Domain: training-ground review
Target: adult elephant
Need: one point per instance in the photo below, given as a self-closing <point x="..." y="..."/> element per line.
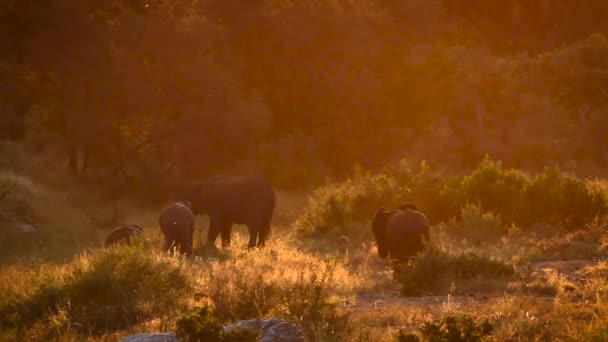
<point x="400" y="233"/>
<point x="248" y="200"/>
<point x="177" y="224"/>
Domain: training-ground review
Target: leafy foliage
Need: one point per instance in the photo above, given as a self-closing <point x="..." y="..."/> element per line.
<point x="351" y="84"/>
<point x="506" y="196"/>
<point x="460" y="328"/>
<point x="437" y="271"/>
<point x="204" y="326"/>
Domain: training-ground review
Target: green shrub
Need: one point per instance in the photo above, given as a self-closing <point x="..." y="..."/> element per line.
<point x="436" y="271"/>
<point x="495" y="189"/>
<point x="551" y="197"/>
<point x="205" y="326"/>
<point x="476" y="226"/>
<point x="109" y="290"/>
<point x="459" y="328"/>
<point x="336" y="207"/>
<point x="333" y="207"/>
<point x="439" y="197"/>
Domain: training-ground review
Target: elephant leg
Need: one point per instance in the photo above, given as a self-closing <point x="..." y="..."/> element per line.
<point x="189" y="242"/>
<point x="215" y="227"/>
<point x="169" y="240"/>
<point x="253" y="235"/>
<point x="264" y="231"/>
<point x="225" y="233"/>
<point x="185" y="241"/>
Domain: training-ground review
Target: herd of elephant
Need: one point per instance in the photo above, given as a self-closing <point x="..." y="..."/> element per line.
<point x="400" y="233"/>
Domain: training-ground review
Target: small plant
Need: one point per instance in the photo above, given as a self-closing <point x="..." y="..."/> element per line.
<point x="313" y="307"/>
<point x="205" y="326"/>
<point x="436" y="270"/>
<point x="459" y="328"/>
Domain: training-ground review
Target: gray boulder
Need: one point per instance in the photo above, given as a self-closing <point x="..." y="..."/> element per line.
<point x="156" y="337"/>
<point x="271" y="329"/>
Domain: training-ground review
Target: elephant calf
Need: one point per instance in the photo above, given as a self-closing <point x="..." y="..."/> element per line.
<point x="122" y="234"/>
<point x="177" y="224"/>
<point x="400" y="233"/>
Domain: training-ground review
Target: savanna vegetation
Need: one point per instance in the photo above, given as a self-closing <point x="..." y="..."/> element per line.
<point x="489" y="115"/>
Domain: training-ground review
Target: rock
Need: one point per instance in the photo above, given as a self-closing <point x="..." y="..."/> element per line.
<point x="156" y="337"/>
<point x="271" y="329"/>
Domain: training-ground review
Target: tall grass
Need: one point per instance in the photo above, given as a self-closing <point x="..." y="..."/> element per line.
<point x="280" y="282"/>
<point x="104" y="291"/>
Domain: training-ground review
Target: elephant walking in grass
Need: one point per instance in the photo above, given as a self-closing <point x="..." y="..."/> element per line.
<point x="400" y="233"/>
<point x="248" y="200"/>
<point x="177" y="224"/>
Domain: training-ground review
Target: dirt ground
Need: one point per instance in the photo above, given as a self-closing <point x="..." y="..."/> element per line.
<point x="572" y="270"/>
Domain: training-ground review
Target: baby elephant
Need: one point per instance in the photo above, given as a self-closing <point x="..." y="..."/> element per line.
<point x="400" y="233"/>
<point x="122" y="234"/>
<point x="177" y="224"/>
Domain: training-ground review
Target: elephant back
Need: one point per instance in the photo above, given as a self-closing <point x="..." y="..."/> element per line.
<point x="406" y="232"/>
<point x="408" y="217"/>
<point x="238" y="197"/>
<point x="176" y="214"/>
<point x="247" y="188"/>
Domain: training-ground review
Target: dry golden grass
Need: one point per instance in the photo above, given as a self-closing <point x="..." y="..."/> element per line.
<point x="332" y="291"/>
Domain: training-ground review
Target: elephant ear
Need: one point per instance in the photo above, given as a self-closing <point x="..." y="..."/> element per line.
<point x="379" y="230"/>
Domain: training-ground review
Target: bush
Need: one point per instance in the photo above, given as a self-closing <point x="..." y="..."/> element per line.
<point x="205" y="326"/>
<point x="337" y="207"/>
<point x="109" y="290"/>
<point x="334" y="206"/>
<point x="476" y="226"/>
<point x="436" y="271"/>
<point x="495" y="189"/>
<point x="460" y="328"/>
<point x="551" y="198"/>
